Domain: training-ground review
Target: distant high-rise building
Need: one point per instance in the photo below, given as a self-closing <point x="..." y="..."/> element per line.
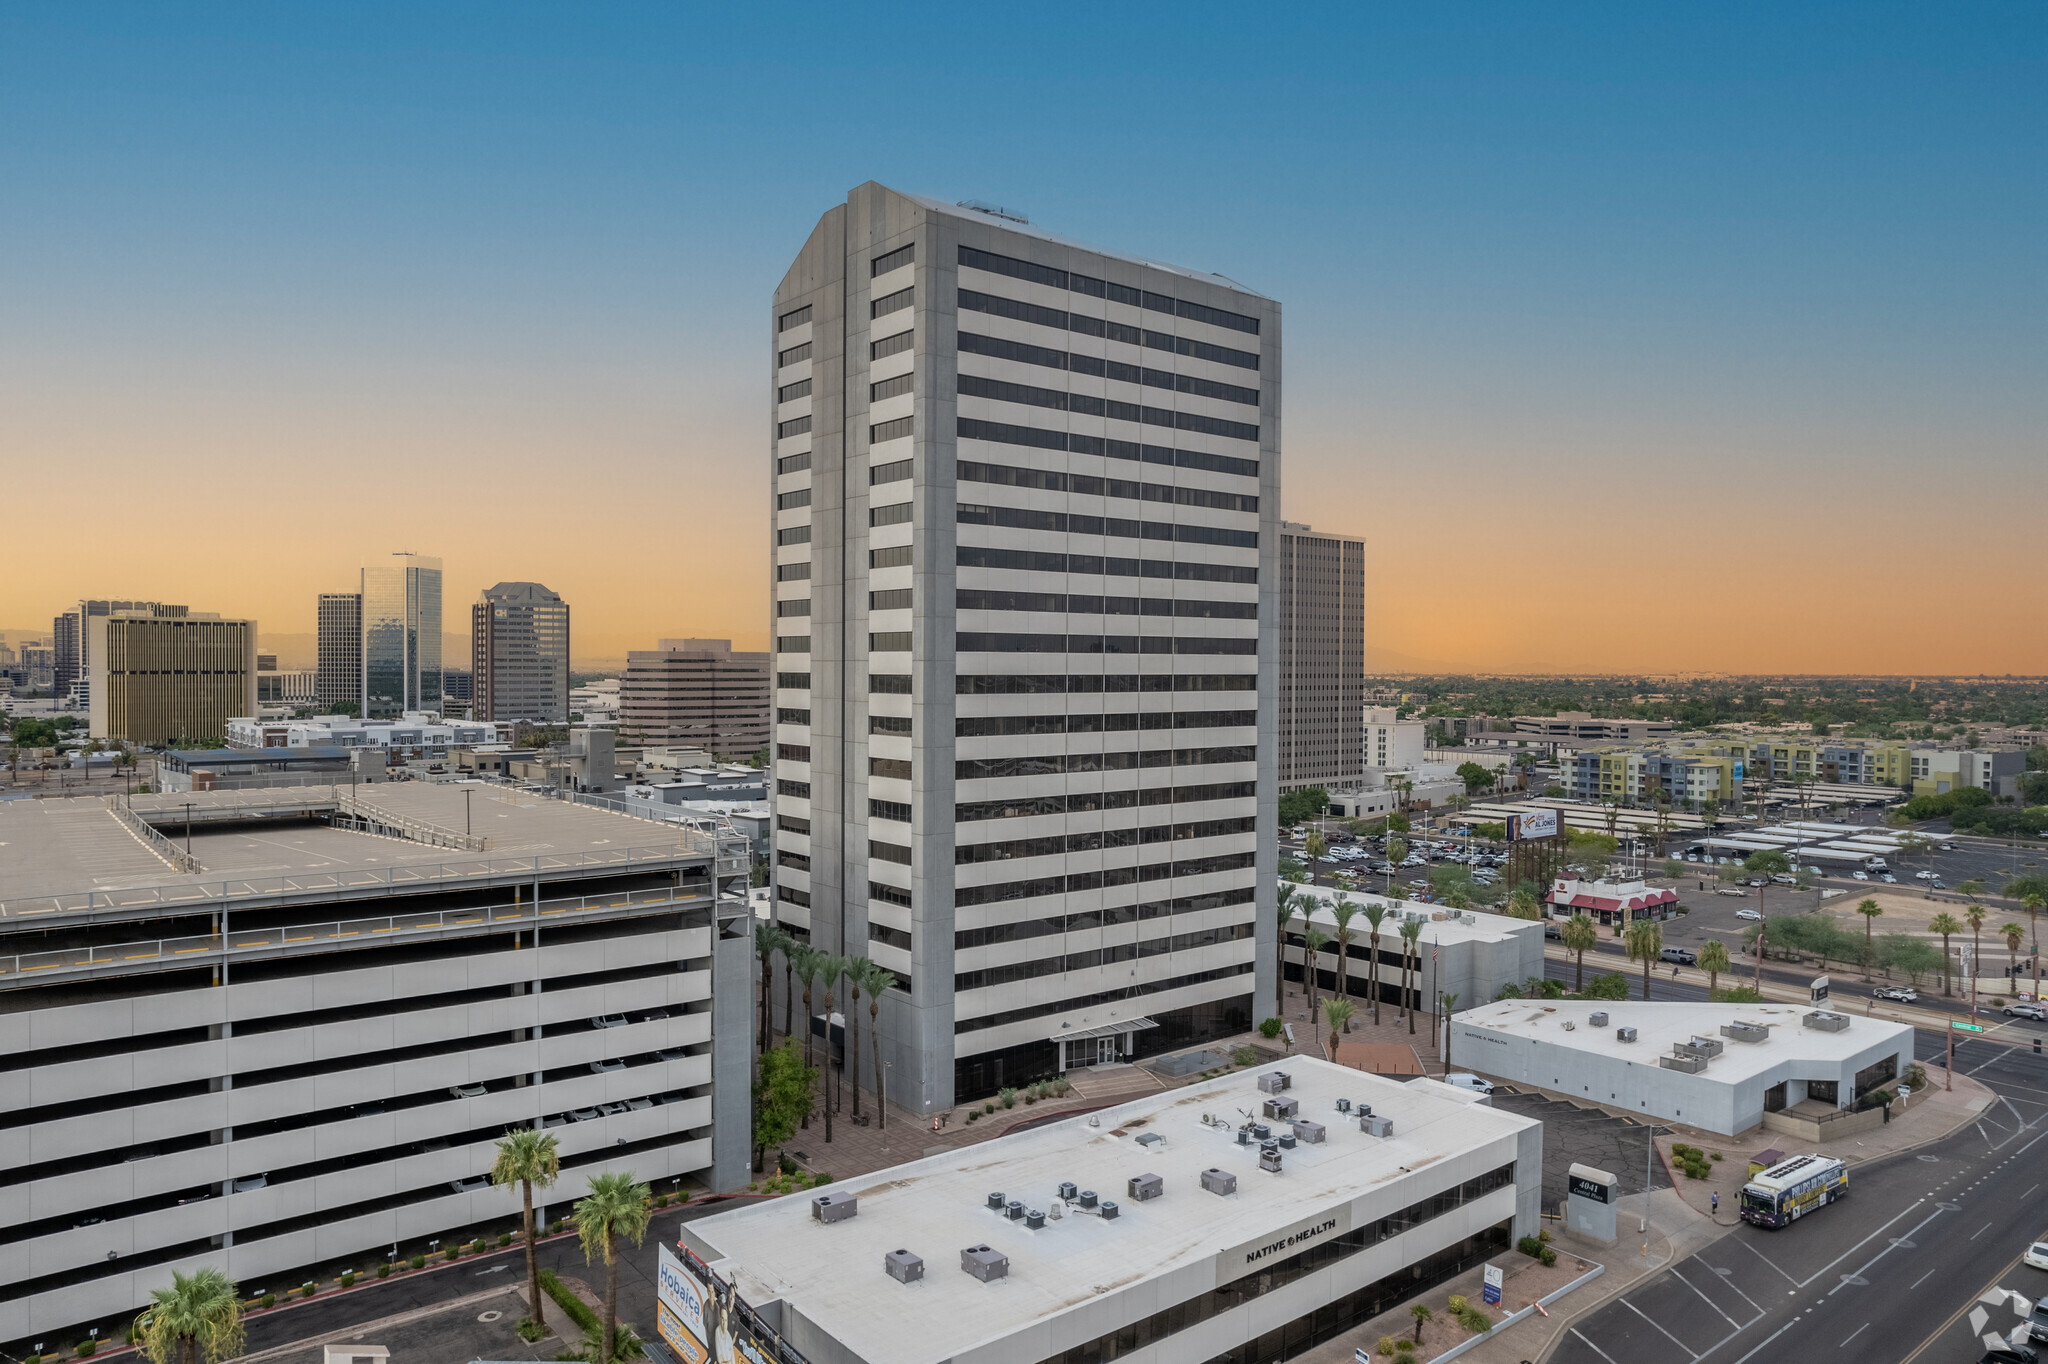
<point x="519" y="654"/>
<point x="1025" y="526"/>
<point x="39" y="664"/>
<point x="401" y="637"/>
<point x="458" y="684"/>
<point x="1322" y="657"/>
<point x="71" y="637"/>
<point x="170" y="680"/>
<point x="696" y="693"/>
<point x="341" y="648"/>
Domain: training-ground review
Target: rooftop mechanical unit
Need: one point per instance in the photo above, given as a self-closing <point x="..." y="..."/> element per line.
<point x="1706" y="1048"/>
<point x="1107" y="1211"/>
<point x="996" y="1202"/>
<point x="1285" y="1141"/>
<point x="1151" y="1139"/>
<point x="1014" y="1210"/>
<point x="985" y="1264"/>
<point x="1274" y="1081"/>
<point x="1283" y="1109"/>
<point x="1343" y="1105"/>
<point x="1308" y="1133"/>
<point x="1597" y="1019"/>
<point x="1746" y="1032"/>
<point x="1376" y="1127"/>
<point x="903" y="1266"/>
<point x="1086" y="1198"/>
<point x="1269" y="1157"/>
<point x="1219" y="1181"/>
<point x="1034" y="1218"/>
<point x="1820" y="1020"/>
<point x="1624" y="1034"/>
<point x="1691" y="1065"/>
<point x="1145" y="1187"/>
<point x="834" y="1207"/>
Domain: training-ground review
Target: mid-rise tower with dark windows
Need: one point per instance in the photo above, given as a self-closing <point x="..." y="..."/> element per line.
<point x="1025" y="514"/>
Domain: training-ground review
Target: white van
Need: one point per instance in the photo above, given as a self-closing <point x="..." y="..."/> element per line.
<point x="1466" y="1080"/>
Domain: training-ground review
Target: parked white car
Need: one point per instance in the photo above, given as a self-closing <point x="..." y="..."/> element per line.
<point x="1749" y="914"/>
<point x="1466" y="1080"/>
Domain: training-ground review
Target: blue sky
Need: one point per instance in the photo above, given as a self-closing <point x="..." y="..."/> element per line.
<point x="1769" y="273"/>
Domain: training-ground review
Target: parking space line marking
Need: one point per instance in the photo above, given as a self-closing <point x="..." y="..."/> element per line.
<point x="1660" y="1330"/>
<point x="1773" y="1336"/>
<point x="1591" y="1346"/>
<point x="1707" y="1300"/>
<point x="1853" y="1334"/>
<point x="1729" y="1279"/>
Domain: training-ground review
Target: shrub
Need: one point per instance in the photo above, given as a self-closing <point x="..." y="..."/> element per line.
<point x="384" y="1271"/>
<point x="1549" y="1257"/>
<point x="573" y="1306"/>
<point x="1270" y="1029"/>
<point x="1530" y="1247"/>
<point x="453" y="1253"/>
<point x="1245" y="1056"/>
<point x="86" y="1348"/>
<point x="1062" y="1085"/>
<point x="504" y="1238"/>
<point x="1474" y="1320"/>
<point x="270" y="1299"/>
<point x="348" y="1278"/>
<point x="989" y="1107"/>
<point x="1030" y="1098"/>
<point x="1459" y="1305"/>
<point x="1543" y="1235"/>
<point x="822" y="1178"/>
<point x="1404" y="1348"/>
<point x="1007" y="1097"/>
<point x="306" y="1290"/>
<point x="682" y="1196"/>
<point x="530" y="1331"/>
<point x="418" y="1262"/>
<point x="973" y="1115"/>
<point x="1385" y="1346"/>
<point x="1717" y="1155"/>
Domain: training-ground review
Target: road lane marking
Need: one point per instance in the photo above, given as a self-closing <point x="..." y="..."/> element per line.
<point x="1968" y="1303"/>
<point x="1908" y="1237"/>
<point x="1591" y="1346"/>
<point x="1922" y="1279"/>
<point x="1980" y="1231"/>
<point x="1744" y="1243"/>
<point x="1860" y="1244"/>
<point x="1707" y="1300"/>
<point x="1660" y="1330"/>
<point x="1853" y="1334"/>
<point x="1773" y="1336"/>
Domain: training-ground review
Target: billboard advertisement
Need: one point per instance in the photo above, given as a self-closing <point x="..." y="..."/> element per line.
<point x="1532" y="824"/>
<point x="681" y="1302"/>
<point x="1738" y="770"/>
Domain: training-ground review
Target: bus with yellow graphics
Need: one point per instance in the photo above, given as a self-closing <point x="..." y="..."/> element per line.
<point x="1792" y="1188"/>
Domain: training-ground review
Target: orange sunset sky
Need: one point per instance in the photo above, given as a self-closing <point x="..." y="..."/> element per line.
<point x="1627" y="347"/>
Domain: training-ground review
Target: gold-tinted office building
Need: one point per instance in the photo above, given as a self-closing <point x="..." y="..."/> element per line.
<point x="170" y="681"/>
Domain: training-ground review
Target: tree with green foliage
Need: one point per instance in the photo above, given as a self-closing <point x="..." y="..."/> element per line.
<point x="768" y="940"/>
<point x="1475" y="777"/>
<point x="199" y="1314"/>
<point x="616" y="1206"/>
<point x="1613" y="986"/>
<point x="28" y="732"/>
<point x="1769" y="862"/>
<point x="1579" y="936"/>
<point x="1315" y="845"/>
<point x="855" y="970"/>
<point x="1713" y="960"/>
<point x="1339" y="1013"/>
<point x="1285" y="905"/>
<point x="1871" y="911"/>
<point x="1410" y="933"/>
<point x="1974" y="915"/>
<point x="831" y="967"/>
<point x="1343" y="912"/>
<point x="1947" y="925"/>
<point x="2014" y="935"/>
<point x="1313" y="941"/>
<point x="1644" y="942"/>
<point x="785" y="1092"/>
<point x="532" y="1159"/>
<point x="1523" y="904"/>
<point x="1447" y="1004"/>
<point x="875" y="978"/>
<point x="1305" y="804"/>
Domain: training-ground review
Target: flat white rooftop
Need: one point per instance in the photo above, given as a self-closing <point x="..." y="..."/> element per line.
<point x="833" y="1273"/>
<point x="1451" y="928"/>
<point x="1658" y="1026"/>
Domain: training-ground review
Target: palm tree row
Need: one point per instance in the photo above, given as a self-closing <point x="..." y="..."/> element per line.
<point x="820" y="974"/>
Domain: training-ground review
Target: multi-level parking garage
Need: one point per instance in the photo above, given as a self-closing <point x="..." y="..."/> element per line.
<point x="264" y="1030"/>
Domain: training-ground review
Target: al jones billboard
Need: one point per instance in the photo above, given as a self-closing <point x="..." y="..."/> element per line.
<point x="1532" y="824"/>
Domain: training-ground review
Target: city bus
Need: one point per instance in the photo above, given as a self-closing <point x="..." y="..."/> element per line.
<point x="1792" y="1188"/>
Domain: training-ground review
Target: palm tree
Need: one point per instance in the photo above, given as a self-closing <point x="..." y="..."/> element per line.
<point x="830" y="967"/>
<point x="1343" y="911"/>
<point x="807" y="962"/>
<point x="1411" y="935"/>
<point x="1644" y="941"/>
<point x="1448" y="1005"/>
<point x="1974" y="915"/>
<point x="1713" y="960"/>
<point x="1579" y="936"/>
<point x="2014" y="935"/>
<point x="615" y="1206"/>
<point x="199" y="1311"/>
<point x="856" y="977"/>
<point x="529" y="1157"/>
<point x="876" y="978"/>
<point x="1375" y="916"/>
<point x="1522" y="904"/>
<point x="790" y="947"/>
<point x="1871" y="910"/>
<point x="1313" y="941"/>
<point x="1946" y="924"/>
<point x="1283" y="913"/>
<point x="767" y="938"/>
<point x="1315" y="845"/>
<point x="1340" y="1013"/>
<point x="2033" y="902"/>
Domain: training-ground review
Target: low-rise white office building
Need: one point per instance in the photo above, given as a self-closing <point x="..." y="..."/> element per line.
<point x="266" y="1030"/>
<point x="416" y="734"/>
<point x="1146" y="1232"/>
<point x="1470" y="954"/>
<point x="1719" y="1067"/>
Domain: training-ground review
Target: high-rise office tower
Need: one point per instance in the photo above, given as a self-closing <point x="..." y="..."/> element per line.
<point x="401" y="637"/>
<point x="170" y="680"/>
<point x="1024" y="536"/>
<point x="71" y="635"/>
<point x="696" y="693"/>
<point x="341" y="648"/>
<point x="519" y="652"/>
<point x="1322" y="657"/>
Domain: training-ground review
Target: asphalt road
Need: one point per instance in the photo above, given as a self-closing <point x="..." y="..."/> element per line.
<point x="1886" y="1276"/>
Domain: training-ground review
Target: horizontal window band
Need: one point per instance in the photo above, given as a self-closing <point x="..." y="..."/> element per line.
<point x="1002" y="433"/>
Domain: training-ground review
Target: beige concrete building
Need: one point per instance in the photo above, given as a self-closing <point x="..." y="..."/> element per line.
<point x="169" y="681"/>
<point x="1321" y="593"/>
<point x="696" y="692"/>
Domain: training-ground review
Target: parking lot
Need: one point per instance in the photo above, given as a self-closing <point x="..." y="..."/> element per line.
<point x="1621" y="1146"/>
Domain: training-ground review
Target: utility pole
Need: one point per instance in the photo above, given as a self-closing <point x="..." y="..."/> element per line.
<point x="1760" y="957"/>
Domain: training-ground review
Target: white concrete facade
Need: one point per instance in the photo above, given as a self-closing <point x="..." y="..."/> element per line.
<point x="1470" y="954"/>
<point x="1554" y="1045"/>
<point x="1025" y="517"/>
<point x="283" y="1091"/>
<point x="1209" y="1275"/>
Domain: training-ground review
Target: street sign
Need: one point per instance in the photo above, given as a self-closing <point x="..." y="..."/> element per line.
<point x="1820" y="989"/>
<point x="1491" y="1293"/>
<point x="1966" y="1027"/>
